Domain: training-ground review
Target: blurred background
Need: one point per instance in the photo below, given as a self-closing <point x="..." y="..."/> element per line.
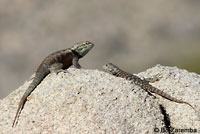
<point x="135" y="35"/>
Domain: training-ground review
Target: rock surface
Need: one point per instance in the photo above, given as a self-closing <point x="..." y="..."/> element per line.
<point x="92" y="101"/>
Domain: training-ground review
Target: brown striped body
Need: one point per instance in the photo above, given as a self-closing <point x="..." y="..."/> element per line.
<point x="144" y="84"/>
<point x="64" y="57"/>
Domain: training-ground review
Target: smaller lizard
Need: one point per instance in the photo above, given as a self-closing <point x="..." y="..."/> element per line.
<point x="62" y="59"/>
<point x="144" y="84"/>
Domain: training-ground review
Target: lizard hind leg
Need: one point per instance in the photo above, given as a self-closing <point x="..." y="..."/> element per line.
<point x="56" y="68"/>
<point x="153" y="79"/>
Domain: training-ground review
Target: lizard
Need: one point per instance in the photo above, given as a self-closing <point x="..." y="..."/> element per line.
<point x="54" y="62"/>
<point x="143" y="83"/>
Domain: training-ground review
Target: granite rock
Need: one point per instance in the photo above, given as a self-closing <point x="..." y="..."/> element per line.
<point x="91" y="101"/>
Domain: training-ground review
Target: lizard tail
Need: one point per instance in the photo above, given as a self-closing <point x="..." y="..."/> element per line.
<point x="36" y="81"/>
<point x="166" y="96"/>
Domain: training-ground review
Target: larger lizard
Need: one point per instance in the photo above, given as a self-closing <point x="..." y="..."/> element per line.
<point x="144" y="84"/>
<point x="62" y="59"/>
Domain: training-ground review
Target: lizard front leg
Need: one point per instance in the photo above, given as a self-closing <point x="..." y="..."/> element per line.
<point x="75" y="62"/>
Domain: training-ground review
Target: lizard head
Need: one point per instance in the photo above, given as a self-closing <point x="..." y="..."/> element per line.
<point x="82" y="48"/>
<point x="110" y="68"/>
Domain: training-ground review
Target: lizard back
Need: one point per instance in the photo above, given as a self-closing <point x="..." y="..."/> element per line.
<point x="63" y="56"/>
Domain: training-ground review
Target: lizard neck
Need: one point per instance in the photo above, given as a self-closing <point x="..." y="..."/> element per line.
<point x="76" y="54"/>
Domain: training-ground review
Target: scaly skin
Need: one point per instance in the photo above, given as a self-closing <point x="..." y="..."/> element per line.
<point x="144" y="84"/>
<point x="59" y="60"/>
